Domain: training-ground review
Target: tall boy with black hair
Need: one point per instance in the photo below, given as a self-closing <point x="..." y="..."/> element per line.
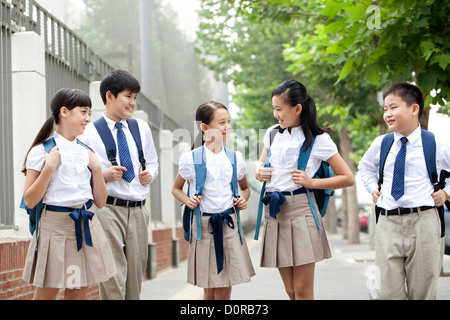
<point x="408" y="242"/>
<point x="124" y="218"/>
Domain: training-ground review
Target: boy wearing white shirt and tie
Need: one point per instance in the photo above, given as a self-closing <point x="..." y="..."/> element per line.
<point x="408" y="242"/>
<point x="124" y="218"/>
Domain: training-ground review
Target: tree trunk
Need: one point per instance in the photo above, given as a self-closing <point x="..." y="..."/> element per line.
<point x="352" y="201"/>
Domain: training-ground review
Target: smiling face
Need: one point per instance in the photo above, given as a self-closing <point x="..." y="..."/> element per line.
<point x="120" y="107"/>
<point x="400" y="117"/>
<point x="219" y="128"/>
<point x="76" y="119"/>
<point x="287" y="116"/>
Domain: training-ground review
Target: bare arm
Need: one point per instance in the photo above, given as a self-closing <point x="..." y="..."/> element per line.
<point x="343" y="178"/>
<point x="99" y="190"/>
<point x="241" y="203"/>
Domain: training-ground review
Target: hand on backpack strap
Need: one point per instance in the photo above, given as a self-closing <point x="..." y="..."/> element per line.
<point x="302" y="178"/>
<point x="193" y="201"/>
<point x="439" y="197"/>
<point x="241" y="203"/>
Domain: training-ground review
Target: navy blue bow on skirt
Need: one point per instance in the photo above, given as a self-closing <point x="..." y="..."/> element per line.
<point x="78" y="215"/>
<point x="215" y="221"/>
<point x="276" y="199"/>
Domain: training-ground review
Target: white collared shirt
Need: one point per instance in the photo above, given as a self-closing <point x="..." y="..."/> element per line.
<point x="217" y="195"/>
<point x="285" y="150"/>
<point x="121" y="189"/>
<point x="70" y="184"/>
<point x="418" y="188"/>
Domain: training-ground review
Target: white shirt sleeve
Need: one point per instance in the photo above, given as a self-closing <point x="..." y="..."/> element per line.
<point x="186" y="166"/>
<point x="368" y="166"/>
<point x="36" y="158"/>
<point x="240" y="166"/>
<point x="151" y="157"/>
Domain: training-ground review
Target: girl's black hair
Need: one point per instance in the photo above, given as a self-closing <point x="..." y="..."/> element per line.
<point x="205" y="114"/>
<point x="69" y="98"/>
<point x="118" y="81"/>
<point x="293" y="93"/>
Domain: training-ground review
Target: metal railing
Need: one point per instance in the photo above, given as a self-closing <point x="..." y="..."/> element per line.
<point x="6" y="139"/>
<point x="70" y="62"/>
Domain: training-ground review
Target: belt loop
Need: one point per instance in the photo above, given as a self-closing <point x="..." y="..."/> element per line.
<point x="419" y="212"/>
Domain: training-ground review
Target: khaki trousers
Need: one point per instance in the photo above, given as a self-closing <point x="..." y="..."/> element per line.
<point x="409" y="254"/>
<point x="126" y="231"/>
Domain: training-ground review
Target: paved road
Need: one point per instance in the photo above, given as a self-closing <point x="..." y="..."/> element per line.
<point x="343" y="277"/>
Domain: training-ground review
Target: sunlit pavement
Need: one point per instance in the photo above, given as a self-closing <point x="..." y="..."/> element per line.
<point x="346" y="276"/>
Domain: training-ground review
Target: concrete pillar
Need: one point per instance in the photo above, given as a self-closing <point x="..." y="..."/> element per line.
<point x="29" y="108"/>
<point x="98" y="107"/>
<point x="167" y="178"/>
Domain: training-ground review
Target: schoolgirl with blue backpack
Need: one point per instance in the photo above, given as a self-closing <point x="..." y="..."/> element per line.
<point x="295" y="152"/>
<point x="63" y="188"/>
<point x="218" y="255"/>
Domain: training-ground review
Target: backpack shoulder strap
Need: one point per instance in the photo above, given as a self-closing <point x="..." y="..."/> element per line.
<point x="134" y="129"/>
<point x="198" y="155"/>
<point x="386" y="145"/>
<point x="234" y="186"/>
<point x="108" y="139"/>
<point x="303" y="157"/>
<point x="429" y="150"/>
<point x="49" y="144"/>
<point x="234" y="181"/>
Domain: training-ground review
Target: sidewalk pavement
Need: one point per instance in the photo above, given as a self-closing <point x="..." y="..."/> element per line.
<point x="343" y="277"/>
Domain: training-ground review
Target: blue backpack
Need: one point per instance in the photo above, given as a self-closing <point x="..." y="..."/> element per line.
<point x="429" y="150"/>
<point x="35" y="213"/>
<point x="322" y="195"/>
<point x="198" y="155"/>
<point x="110" y="145"/>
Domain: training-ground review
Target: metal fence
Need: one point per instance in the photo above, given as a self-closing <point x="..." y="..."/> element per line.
<point x="6" y="140"/>
<point x="69" y="63"/>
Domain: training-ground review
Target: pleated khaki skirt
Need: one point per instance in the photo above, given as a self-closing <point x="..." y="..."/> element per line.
<point x="202" y="266"/>
<point x="57" y="263"/>
<point x="293" y="238"/>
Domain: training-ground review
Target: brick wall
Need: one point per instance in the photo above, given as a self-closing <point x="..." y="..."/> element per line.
<point x="12" y="259"/>
<point x="13" y="254"/>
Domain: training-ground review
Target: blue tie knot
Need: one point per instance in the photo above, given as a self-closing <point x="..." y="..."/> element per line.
<point x="119" y="125"/>
<point x="404" y="140"/>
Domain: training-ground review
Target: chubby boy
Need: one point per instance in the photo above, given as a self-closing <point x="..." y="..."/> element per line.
<point x="408" y="242"/>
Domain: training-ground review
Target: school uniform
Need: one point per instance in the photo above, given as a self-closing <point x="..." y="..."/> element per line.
<point x="61" y="259"/>
<point x="125" y="217"/>
<point x="409" y="247"/>
<point x="217" y="197"/>
<point x="292" y="238"/>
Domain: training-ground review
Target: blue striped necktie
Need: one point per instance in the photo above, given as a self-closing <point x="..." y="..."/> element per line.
<point x="398" y="179"/>
<point x="124" y="154"/>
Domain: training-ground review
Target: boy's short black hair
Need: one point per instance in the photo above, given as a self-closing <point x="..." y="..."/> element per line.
<point x="409" y="93"/>
<point x="118" y="81"/>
